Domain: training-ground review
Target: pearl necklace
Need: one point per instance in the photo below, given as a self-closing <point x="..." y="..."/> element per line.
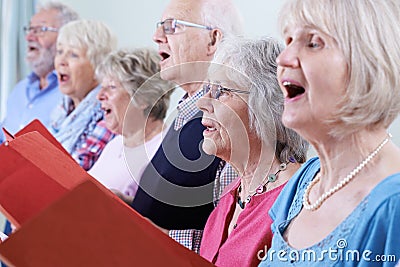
<point x="306" y="197"/>
<point x="261" y="188"/>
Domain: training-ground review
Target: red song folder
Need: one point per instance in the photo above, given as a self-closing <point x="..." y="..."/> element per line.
<point x="89" y="227"/>
<point x="35" y="170"/>
<point x="66" y="218"/>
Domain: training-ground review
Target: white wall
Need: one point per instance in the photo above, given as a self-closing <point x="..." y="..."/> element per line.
<point x="134" y="22"/>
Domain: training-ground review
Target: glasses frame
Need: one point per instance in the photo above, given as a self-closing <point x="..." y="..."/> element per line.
<point x="38" y="30"/>
<point x="217" y="93"/>
<point x="175" y="22"/>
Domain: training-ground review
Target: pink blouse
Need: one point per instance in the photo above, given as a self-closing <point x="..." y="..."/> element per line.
<point x="251" y="237"/>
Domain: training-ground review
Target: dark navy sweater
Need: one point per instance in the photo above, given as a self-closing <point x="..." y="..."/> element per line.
<point x="176" y="188"/>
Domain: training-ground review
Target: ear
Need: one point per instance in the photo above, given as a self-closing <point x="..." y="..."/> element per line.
<point x="215" y="39"/>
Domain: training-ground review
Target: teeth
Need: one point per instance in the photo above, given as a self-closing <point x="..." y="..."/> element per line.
<point x="286" y="83"/>
<point x="211" y="128"/>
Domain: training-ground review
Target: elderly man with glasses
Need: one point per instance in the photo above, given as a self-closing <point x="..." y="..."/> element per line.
<point x="178" y="187"/>
<point x="37" y="95"/>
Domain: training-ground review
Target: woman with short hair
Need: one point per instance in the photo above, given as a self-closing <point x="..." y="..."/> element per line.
<point x="78" y="122"/>
<point x="135" y="101"/>
<point x="242" y="108"/>
<point x="340" y="76"/>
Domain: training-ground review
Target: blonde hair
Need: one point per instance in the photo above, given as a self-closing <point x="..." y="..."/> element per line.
<point x="94" y="36"/>
<point x="366" y="32"/>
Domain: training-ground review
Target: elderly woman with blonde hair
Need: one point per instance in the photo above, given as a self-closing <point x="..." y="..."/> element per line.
<point x="78" y="122"/>
<point x="242" y="108"/>
<point x="135" y="101"/>
<point x="340" y="76"/>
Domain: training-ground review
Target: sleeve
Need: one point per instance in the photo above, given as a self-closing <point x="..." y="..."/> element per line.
<point x="382" y="244"/>
<point x="89" y="151"/>
<point x="189" y="238"/>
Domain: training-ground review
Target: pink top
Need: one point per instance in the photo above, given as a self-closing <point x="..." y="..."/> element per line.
<point x="252" y="233"/>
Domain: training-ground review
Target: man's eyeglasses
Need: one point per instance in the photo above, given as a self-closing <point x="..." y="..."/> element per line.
<point x="170" y="25"/>
<point x="217" y="89"/>
<point x="39" y="30"/>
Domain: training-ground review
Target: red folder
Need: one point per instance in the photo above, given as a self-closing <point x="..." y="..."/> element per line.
<point x="67" y="218"/>
<point x="35" y="126"/>
<point x="89" y="227"/>
<point x="34" y="171"/>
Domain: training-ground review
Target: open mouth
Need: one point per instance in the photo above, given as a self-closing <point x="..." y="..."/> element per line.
<point x="292" y="89"/>
<point x="63" y="77"/>
<point x="209" y="126"/>
<point x="106" y="110"/>
<point x="32" y="47"/>
<point x="164" y="56"/>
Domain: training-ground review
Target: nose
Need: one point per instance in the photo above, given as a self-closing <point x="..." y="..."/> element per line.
<point x="159" y="35"/>
<point x="59" y="60"/>
<point x="289" y="57"/>
<point x="30" y="36"/>
<point x="205" y="103"/>
<point x="101" y="95"/>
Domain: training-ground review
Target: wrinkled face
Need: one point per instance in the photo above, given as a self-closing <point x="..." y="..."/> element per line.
<point x="187" y="44"/>
<point x="114" y="100"/>
<point x="42" y="46"/>
<point x="226" y="120"/>
<point x="312" y="73"/>
<point x="75" y="73"/>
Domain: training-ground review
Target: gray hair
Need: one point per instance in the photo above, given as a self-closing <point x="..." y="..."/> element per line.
<point x="66" y="14"/>
<point x="136" y="69"/>
<point x="94" y="36"/>
<point x="253" y="65"/>
<point x="223" y="15"/>
<point x="367" y="34"/>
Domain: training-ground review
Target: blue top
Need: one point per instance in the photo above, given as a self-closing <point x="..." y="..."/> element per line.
<point x="27" y="102"/>
<point x="370" y="233"/>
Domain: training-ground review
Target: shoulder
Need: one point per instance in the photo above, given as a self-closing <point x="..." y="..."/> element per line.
<point x="293" y="191"/>
<point x="386" y="195"/>
<point x="19" y="88"/>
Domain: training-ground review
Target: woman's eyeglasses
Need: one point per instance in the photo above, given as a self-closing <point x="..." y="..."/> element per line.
<point x="217" y="89"/>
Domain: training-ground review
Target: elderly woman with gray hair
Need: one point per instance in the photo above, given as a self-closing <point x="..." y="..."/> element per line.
<point x="135" y="101"/>
<point x="78" y="122"/>
<point x="242" y="109"/>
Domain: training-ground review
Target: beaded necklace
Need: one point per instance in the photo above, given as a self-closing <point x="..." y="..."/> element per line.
<point x="262" y="187"/>
<point x="306" y="197"/>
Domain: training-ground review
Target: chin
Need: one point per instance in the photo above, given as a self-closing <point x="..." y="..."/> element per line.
<point x="209" y="147"/>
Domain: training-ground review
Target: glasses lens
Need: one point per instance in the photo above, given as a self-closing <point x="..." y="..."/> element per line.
<point x="216" y="91"/>
<point x="169" y="26"/>
<point x="27" y="29"/>
<point x="38" y="30"/>
<point x="206" y="88"/>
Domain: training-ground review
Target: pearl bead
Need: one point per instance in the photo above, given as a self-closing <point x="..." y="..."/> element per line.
<point x="306" y="197"/>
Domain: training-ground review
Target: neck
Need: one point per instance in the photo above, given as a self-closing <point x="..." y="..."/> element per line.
<point x="139" y="137"/>
<point x="339" y="157"/>
<point x="191" y="88"/>
<point x="254" y="164"/>
<point x="43" y="83"/>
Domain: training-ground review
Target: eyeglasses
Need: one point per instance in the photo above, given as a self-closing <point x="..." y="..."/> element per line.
<point x="170" y="25"/>
<point x="39" y="30"/>
<point x="217" y="89"/>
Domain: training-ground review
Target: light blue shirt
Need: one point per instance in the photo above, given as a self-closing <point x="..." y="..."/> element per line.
<point x="27" y="102"/>
<point x="369" y="236"/>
